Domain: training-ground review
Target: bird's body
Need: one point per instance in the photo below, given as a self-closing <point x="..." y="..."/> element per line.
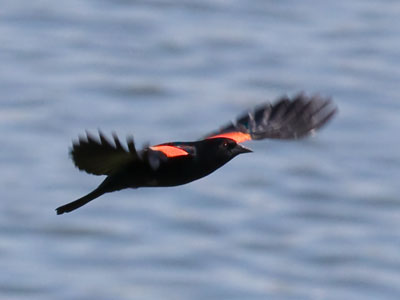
<point x="202" y="159"/>
<point x="178" y="163"/>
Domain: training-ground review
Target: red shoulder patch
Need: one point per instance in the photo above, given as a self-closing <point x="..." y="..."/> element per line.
<point x="237" y="136"/>
<point x="169" y="151"/>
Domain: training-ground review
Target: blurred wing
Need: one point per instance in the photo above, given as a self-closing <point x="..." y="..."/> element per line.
<point x="285" y="119"/>
<point x="101" y="157"/>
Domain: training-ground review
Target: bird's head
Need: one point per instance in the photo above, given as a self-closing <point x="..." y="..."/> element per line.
<point x="225" y="148"/>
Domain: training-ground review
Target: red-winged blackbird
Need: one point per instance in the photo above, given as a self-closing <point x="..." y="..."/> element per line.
<point x="177" y="163"/>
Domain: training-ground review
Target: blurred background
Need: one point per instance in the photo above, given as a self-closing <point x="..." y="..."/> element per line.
<point x="312" y="219"/>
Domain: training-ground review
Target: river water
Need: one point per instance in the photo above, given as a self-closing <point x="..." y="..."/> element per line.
<point x="312" y="219"/>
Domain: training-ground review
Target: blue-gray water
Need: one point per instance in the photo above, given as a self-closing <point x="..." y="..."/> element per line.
<point x="311" y="219"/>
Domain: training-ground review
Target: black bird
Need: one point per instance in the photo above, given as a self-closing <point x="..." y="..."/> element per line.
<point x="177" y="163"/>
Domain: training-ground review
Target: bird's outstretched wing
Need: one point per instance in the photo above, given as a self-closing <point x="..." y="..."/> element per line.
<point x="285" y="119"/>
<point x="102" y="157"/>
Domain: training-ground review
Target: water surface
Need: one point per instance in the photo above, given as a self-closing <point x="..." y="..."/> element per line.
<point x="312" y="219"/>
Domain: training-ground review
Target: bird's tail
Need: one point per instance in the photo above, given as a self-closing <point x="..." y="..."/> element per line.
<point x="81" y="201"/>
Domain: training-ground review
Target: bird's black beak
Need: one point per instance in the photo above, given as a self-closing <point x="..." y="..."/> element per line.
<point x="239" y="149"/>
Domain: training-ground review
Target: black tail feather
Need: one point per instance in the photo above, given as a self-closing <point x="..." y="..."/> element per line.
<point x="80" y="202"/>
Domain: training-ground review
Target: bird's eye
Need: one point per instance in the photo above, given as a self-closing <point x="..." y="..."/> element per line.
<point x="225" y="144"/>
